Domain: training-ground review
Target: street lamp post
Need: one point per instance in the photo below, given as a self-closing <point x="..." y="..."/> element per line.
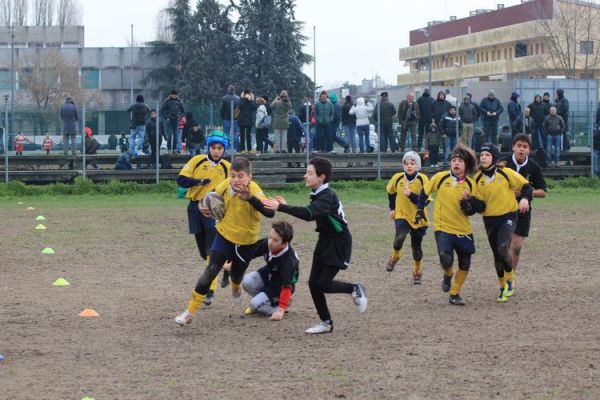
<point x="5" y="138"/>
<point x="458" y="95"/>
<point x="427" y="33"/>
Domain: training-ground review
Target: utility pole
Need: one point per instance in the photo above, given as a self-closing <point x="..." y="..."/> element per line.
<point x="131" y="67"/>
<point x="12" y="75"/>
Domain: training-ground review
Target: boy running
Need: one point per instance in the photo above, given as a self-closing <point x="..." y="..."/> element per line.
<point x="497" y="187"/>
<point x="236" y="236"/>
<point x="403" y="193"/>
<point x="272" y="286"/>
<point x="334" y="246"/>
<point x="528" y="168"/>
<point x="201" y="175"/>
<point x="455" y="201"/>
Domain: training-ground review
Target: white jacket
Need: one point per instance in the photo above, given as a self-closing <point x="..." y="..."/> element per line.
<point x="261" y="112"/>
<point x="373" y="137"/>
<point x="362" y="112"/>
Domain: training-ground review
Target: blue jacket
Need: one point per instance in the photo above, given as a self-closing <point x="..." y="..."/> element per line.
<point x="514" y="111"/>
<point x="490" y="105"/>
<point x="295" y="131"/>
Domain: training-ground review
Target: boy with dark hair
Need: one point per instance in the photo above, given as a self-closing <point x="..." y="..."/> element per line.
<point x="497" y="186"/>
<point x="530" y="170"/>
<point x="456" y="200"/>
<point x="236" y="236"/>
<point x="201" y="175"/>
<point x="334" y="246"/>
<point x="272" y="286"/>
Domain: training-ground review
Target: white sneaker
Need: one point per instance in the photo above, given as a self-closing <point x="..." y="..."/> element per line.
<point x="359" y="297"/>
<point x="321" y="327"/>
<point x="183" y="319"/>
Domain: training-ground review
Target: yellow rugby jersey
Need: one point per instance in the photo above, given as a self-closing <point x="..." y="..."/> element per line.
<point x="241" y="224"/>
<point x="498" y="193"/>
<point x="404" y="208"/>
<point x="201" y="167"/>
<point x="447" y="215"/>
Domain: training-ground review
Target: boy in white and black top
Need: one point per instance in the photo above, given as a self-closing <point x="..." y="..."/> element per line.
<point x="334" y="246"/>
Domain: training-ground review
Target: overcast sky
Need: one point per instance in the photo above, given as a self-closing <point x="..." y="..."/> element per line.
<point x="355" y="39"/>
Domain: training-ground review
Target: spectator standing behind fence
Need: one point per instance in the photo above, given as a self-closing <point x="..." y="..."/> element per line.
<point x="225" y="110"/>
<point x="324" y="115"/>
<point x="424" y="102"/>
<point x="349" y="124"/>
<point x="432" y="144"/>
<point x="562" y="109"/>
<point x="262" y="124"/>
<point x="448" y="128"/>
<point x="279" y="114"/>
<point x="139" y="112"/>
<point x="547" y="102"/>
<point x="309" y="124"/>
<point x="468" y="114"/>
<point x="180" y="126"/>
<point x="491" y="108"/>
<point x="91" y="144"/>
<point x="246" y="119"/>
<point x="195" y="140"/>
<point x="362" y="112"/>
<point x="409" y="115"/>
<point x="554" y="126"/>
<point x="19" y="143"/>
<point x="69" y="117"/>
<point x="538" y="110"/>
<point x="187" y="129"/>
<point x="335" y="125"/>
<point x="47" y="144"/>
<point x="151" y="134"/>
<point x="439" y="107"/>
<point x="295" y="133"/>
<point x="171" y="110"/>
<point x="515" y="114"/>
<point x="386" y="111"/>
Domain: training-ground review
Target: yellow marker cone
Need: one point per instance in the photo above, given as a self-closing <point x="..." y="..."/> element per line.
<point x="40" y="227"/>
<point x="61" y="282"/>
<point x="88" y="312"/>
<point x="30" y="208"/>
<point x="48" y="250"/>
<point x="87" y="398"/>
<point x="40" y="218"/>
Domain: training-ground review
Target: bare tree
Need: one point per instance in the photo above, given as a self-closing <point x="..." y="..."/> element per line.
<point x="69" y="12"/>
<point x="6" y="10"/>
<point x="571" y="37"/>
<point x="163" y="25"/>
<point x="43" y="12"/>
<point x="20" y="12"/>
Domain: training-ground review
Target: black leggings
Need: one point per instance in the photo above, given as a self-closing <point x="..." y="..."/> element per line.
<point x="262" y="139"/>
<point x="499" y="231"/>
<point x="464" y="260"/>
<point x="321" y="282"/>
<point x="245" y="138"/>
<point x="416" y="238"/>
<point x="212" y="270"/>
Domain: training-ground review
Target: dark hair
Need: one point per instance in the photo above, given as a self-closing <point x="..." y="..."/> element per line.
<point x="174" y="91"/>
<point x="467" y="155"/>
<point x="195" y="124"/>
<point x="284" y="229"/>
<point x="521" y="137"/>
<point x="322" y="167"/>
<point x="241" y="164"/>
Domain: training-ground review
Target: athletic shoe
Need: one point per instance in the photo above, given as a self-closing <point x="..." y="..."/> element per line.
<point x="501" y="296"/>
<point x="392" y="261"/>
<point x="249" y="311"/>
<point x="321" y="327"/>
<point x="360" y="298"/>
<point x="416" y="278"/>
<point x="446" y="283"/>
<point x="210" y="297"/>
<point x="183" y="319"/>
<point x="509" y="289"/>
<point x="457" y="300"/>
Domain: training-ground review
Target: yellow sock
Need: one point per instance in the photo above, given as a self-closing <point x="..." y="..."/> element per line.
<point x="449" y="271"/>
<point x="417" y="266"/>
<point x="509" y="275"/>
<point x="397" y="254"/>
<point x="213" y="285"/>
<point x="459" y="279"/>
<point x="195" y="302"/>
<point x="236" y="288"/>
<point x="502" y="281"/>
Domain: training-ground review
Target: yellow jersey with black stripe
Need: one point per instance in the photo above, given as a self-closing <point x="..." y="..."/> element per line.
<point x="498" y="192"/>
<point x="447" y="215"/>
<point x="404" y="208"/>
<point x="202" y="167"/>
<point x="241" y="224"/>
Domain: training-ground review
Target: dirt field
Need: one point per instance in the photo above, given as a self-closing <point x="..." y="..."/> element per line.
<point x="131" y="259"/>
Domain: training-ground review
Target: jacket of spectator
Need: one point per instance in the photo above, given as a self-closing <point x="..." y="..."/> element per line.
<point x="362" y="112"/>
<point x="467" y="111"/>
<point x="562" y="106"/>
<point x="337" y="110"/>
<point x="195" y="137"/>
<point x="491" y="104"/>
<point x="187" y="127"/>
<point x="439" y="107"/>
<point x="448" y="124"/>
<point x="295" y="130"/>
<point x="172" y="108"/>
<point x="279" y="111"/>
<point x="514" y="108"/>
<point x="347" y="118"/>
<point x="434" y="136"/>
<point x="261" y="112"/>
<point x="302" y="111"/>
<point x="324" y="111"/>
<point x="387" y="111"/>
<point x="225" y="107"/>
<point x="69" y="116"/>
<point x="247" y="107"/>
<point x="151" y="129"/>
<point x="425" y="101"/>
<point x="554" y="124"/>
<point x="538" y="110"/>
<point x="408" y="113"/>
<point x="139" y="112"/>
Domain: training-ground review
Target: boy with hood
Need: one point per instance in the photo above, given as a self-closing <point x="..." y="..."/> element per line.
<point x="139" y="112"/>
<point x="279" y="113"/>
<point x="562" y="109"/>
<point x="335" y="125"/>
<point x="432" y="144"/>
<point x="295" y="133"/>
<point x="515" y="114"/>
<point x="439" y="107"/>
<point x="450" y="127"/>
<point x="538" y="111"/>
<point x="324" y="116"/>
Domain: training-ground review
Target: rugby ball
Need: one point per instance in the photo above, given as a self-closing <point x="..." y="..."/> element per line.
<point x="214" y="202"/>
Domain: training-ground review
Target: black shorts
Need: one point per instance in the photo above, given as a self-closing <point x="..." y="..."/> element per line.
<point x="402" y="225"/>
<point x="448" y="243"/>
<point x="334" y="251"/>
<point x="197" y="222"/>
<point x="237" y="253"/>
<point x="523" y="224"/>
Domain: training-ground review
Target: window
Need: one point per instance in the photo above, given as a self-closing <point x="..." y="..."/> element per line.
<point x="542" y="48"/>
<point x="90" y="78"/>
<point x="520" y="50"/>
<point x="586" y="47"/>
<point x="505" y="54"/>
<point x="487" y="56"/>
<point x="537" y="48"/>
<point x="5" y="80"/>
<point x="498" y="57"/>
